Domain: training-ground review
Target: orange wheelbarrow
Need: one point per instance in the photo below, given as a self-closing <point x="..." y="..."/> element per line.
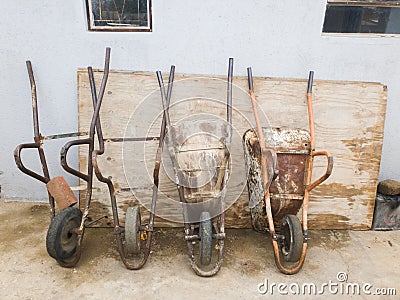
<point x="279" y="164"/>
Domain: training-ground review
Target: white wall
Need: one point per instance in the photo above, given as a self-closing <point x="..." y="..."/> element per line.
<point x="278" y="38"/>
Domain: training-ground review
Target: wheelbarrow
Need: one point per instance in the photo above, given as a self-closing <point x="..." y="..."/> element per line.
<point x="200" y="158"/>
<point x="279" y="164"/>
<point x="134" y="239"/>
<point x="66" y="229"/>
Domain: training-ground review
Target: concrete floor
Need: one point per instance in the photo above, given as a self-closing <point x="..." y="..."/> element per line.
<point x="27" y="272"/>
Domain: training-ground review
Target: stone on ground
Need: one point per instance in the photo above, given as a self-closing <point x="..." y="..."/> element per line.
<point x="389" y="187"/>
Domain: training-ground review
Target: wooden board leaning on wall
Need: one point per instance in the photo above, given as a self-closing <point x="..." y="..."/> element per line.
<point x="349" y="120"/>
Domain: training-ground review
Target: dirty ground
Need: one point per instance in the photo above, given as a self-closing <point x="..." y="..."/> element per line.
<point x="27" y="272"/>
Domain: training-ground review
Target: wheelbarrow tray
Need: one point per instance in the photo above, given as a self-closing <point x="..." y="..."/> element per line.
<point x="201" y="157"/>
<point x="293" y="149"/>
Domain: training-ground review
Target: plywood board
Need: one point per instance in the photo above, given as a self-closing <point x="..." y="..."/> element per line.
<point x="349" y="120"/>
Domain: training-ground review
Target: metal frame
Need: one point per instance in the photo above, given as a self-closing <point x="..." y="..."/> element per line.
<point x="38" y="144"/>
<point x="140" y="260"/>
<point x="269" y="170"/>
<point x="92" y="27"/>
<point x="219" y="224"/>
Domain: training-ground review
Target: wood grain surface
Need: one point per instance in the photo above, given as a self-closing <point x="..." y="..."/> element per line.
<point x="349" y="121"/>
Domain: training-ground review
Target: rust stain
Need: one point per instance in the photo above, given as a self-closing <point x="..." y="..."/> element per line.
<point x="352" y="196"/>
<point x="333" y="190"/>
<point x="333" y="221"/>
<point x="366" y="151"/>
<point x="293" y="170"/>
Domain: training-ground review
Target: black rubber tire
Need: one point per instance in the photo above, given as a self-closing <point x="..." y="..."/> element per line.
<point x="132" y="230"/>
<point x="292" y="246"/>
<point x="60" y="242"/>
<point x="205" y="233"/>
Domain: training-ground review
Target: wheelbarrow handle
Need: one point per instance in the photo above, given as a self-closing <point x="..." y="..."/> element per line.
<point x="63" y="157"/>
<point x="94" y="124"/>
<point x="229" y="95"/>
<point x="21" y="166"/>
<point x="310" y="81"/>
<point x="35" y="112"/>
<point x="250" y="78"/>
<point x="328" y="171"/>
<point x="96" y="168"/>
<point x="95" y="100"/>
<point x="166" y="96"/>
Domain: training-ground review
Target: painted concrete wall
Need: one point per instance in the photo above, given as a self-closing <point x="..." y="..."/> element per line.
<point x="278" y="38"/>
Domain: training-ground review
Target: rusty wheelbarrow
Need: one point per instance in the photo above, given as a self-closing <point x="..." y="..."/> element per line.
<point x="133" y="239"/>
<point x="66" y="229"/>
<point x="200" y="158"/>
<point x="279" y="163"/>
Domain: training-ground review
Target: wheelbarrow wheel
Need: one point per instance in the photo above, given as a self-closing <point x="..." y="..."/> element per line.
<point x="292" y="243"/>
<point x="205" y="232"/>
<point x="132" y="230"/>
<point x="61" y="242"/>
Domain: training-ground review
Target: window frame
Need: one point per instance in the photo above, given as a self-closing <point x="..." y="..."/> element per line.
<point x="92" y="27"/>
<point x="364" y="3"/>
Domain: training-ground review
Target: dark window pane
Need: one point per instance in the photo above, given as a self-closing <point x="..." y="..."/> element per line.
<point x="362" y="19"/>
<point x="120" y="13"/>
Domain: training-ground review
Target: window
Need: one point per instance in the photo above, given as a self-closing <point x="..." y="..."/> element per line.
<point x="119" y="15"/>
<point x="374" y="17"/>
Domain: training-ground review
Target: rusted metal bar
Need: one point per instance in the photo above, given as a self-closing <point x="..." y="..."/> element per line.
<point x="93" y="125"/>
<point x="196" y="237"/>
<point x="37" y="143"/>
<point x="311" y="158"/>
<point x="267" y="167"/>
<point x="160" y="148"/>
<point x="269" y="153"/>
<point x="328" y="171"/>
<point x="95" y="100"/>
<point x="229" y="98"/>
<point x="310" y="109"/>
<point x="37" y="135"/>
<point x="278" y="261"/>
<point x="65" y="135"/>
<point x="36" y="129"/>
<point x="21" y="166"/>
<point x="95" y="120"/>
<point x="132" y="139"/>
<point x="63" y="158"/>
<point x="90" y="140"/>
<point x="164" y="103"/>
